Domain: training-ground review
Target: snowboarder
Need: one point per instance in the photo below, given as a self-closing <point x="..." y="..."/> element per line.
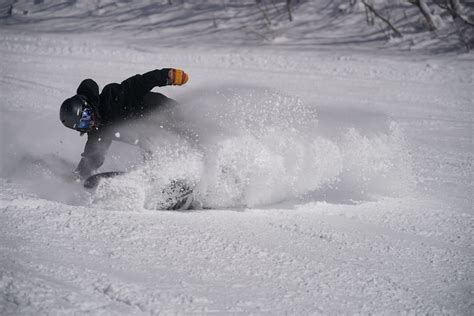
<point x="100" y="115"/>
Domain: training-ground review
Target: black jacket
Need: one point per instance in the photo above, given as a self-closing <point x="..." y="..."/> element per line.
<point x="116" y="104"/>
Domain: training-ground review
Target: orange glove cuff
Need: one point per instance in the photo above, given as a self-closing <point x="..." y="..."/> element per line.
<point x="177" y="77"/>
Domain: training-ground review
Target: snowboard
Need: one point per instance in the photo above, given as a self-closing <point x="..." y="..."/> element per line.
<point x="93" y="181"/>
<point x="178" y="195"/>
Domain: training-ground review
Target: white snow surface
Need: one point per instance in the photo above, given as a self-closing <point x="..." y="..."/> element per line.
<point x="332" y="180"/>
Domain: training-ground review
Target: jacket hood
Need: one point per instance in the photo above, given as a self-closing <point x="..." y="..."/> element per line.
<point x="90" y="89"/>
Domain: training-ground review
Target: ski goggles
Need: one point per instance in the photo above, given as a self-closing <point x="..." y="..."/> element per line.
<point x="86" y="120"/>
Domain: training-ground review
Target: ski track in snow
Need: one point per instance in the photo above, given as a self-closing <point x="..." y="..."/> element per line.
<point x="406" y="249"/>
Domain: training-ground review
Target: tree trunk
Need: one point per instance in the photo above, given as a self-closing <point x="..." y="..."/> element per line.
<point x="288" y="7"/>
<point x="425" y="10"/>
<point x="264" y="13"/>
<point x="455" y="8"/>
<point x="369" y="16"/>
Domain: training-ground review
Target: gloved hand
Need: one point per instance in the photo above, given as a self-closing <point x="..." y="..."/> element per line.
<point x="177" y="77"/>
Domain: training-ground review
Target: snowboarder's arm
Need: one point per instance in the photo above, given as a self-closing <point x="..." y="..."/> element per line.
<point x="142" y="84"/>
<point x="94" y="154"/>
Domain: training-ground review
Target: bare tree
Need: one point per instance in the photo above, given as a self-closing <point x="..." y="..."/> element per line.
<point x="425" y="11"/>
<point x="264" y="12"/>
<point x="369" y="15"/>
<point x="455" y="8"/>
<point x="288" y="7"/>
<point x="371" y="8"/>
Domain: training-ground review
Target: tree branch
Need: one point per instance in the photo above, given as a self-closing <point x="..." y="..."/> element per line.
<point x="454" y="13"/>
<point x="264" y="13"/>
<point x="392" y="27"/>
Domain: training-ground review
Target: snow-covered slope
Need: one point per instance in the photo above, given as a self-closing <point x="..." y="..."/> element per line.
<point x="339" y="182"/>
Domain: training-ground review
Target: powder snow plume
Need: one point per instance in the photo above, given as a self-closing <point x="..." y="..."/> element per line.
<point x="248" y="147"/>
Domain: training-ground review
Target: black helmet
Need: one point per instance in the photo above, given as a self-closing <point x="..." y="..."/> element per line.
<point x="77" y="113"/>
